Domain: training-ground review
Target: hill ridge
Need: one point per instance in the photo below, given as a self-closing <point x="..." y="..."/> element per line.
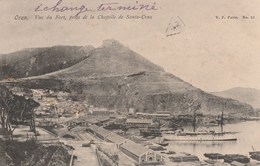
<point x="38" y="61"/>
<point x="114" y="76"/>
<point x="242" y="94"/>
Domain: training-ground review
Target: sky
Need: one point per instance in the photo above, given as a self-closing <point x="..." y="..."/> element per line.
<point x="211" y="54"/>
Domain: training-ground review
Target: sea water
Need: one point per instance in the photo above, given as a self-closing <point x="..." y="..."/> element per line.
<point x="248" y="138"/>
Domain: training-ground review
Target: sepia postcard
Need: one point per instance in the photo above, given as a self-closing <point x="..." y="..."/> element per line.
<point x="129" y="82"/>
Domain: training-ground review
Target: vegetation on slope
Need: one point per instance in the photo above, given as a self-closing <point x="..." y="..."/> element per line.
<point x="29" y="153"/>
<point x="38" y="61"/>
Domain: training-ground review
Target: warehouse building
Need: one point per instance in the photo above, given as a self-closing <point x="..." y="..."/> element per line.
<point x="93" y="129"/>
<point x="102" y="133"/>
<point x="116" y="139"/>
<point x="139" y="153"/>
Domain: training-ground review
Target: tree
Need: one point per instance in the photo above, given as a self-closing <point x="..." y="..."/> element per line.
<point x="15" y="110"/>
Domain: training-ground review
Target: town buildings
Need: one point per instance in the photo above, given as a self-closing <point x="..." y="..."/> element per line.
<point x="97" y="111"/>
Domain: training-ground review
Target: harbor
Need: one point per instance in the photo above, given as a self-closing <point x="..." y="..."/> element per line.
<point x="188" y="152"/>
<point x="205" y="152"/>
<point x="247" y="137"/>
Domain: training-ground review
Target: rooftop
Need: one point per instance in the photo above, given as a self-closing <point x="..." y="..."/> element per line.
<point x="94" y="127"/>
<point x="139" y="121"/>
<point x="149" y="114"/>
<point x="78" y="120"/>
<point x="135" y="148"/>
<point x="102" y="119"/>
<point x="116" y="138"/>
<point x="92" y="120"/>
<point x="78" y="128"/>
<point x="103" y="132"/>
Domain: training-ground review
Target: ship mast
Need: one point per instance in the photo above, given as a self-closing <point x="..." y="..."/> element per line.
<point x="194" y="105"/>
<point x="221" y="122"/>
<point x="194" y="120"/>
<point x="222" y="119"/>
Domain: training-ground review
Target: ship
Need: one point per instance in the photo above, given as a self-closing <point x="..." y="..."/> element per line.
<point x="199" y="136"/>
<point x="161" y="142"/>
<point x="180" y="135"/>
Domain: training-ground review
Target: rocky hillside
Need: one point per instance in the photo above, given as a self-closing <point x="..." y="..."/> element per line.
<point x="38" y="61"/>
<point x="114" y="76"/>
<point x="246" y="95"/>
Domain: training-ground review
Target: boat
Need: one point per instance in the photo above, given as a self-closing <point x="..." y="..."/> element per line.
<point x="255" y="154"/>
<point x="254" y="151"/>
<point x="184" y="158"/>
<point x="229" y="158"/>
<point x="214" y="156"/>
<point x="157" y="148"/>
<point x="161" y="142"/>
<point x="180" y="135"/>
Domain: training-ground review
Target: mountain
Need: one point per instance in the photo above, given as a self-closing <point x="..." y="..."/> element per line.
<point x="38" y="61"/>
<point x="246" y="95"/>
<point x="114" y="76"/>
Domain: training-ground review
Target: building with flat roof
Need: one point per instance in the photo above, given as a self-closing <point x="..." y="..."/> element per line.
<point x="139" y="122"/>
